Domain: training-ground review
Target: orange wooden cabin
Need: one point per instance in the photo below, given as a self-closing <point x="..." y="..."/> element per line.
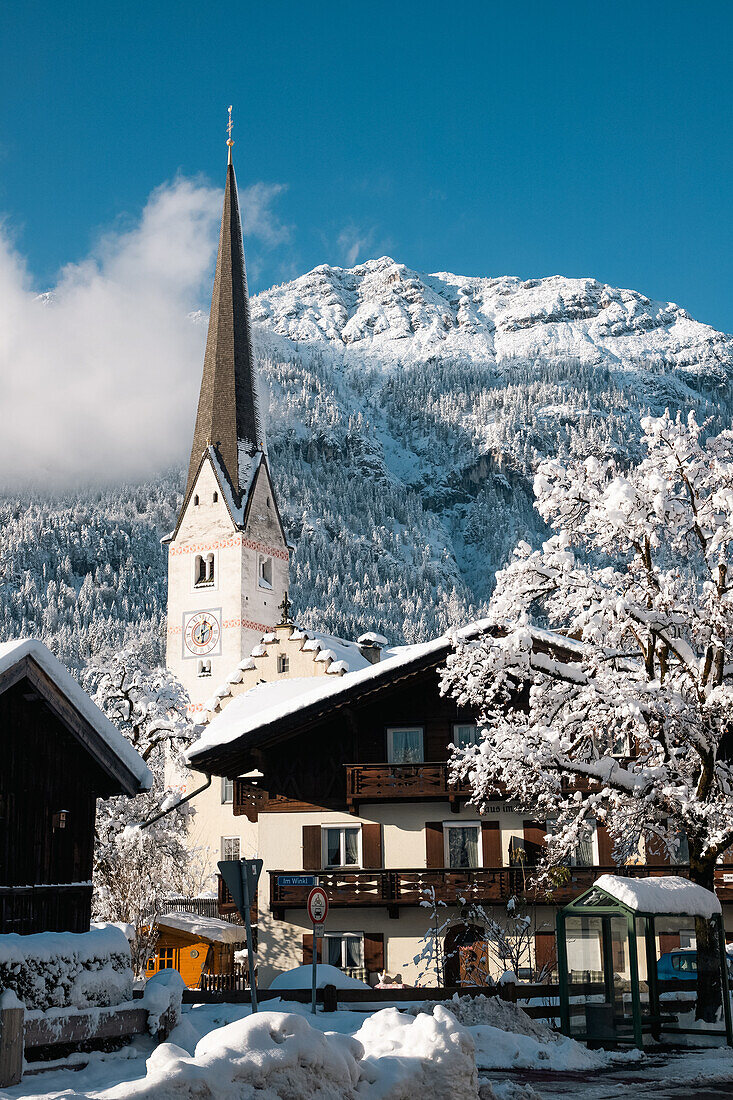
<point x="195" y="945"/>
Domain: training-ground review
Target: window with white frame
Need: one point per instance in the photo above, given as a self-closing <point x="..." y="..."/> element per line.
<point x="465" y="734"/>
<point x="344" y="950"/>
<point x="405" y="745"/>
<point x="341" y="845"/>
<point x="227" y="793"/>
<point x="462" y="843"/>
<point x="230" y="847"/>
<point x="283" y="662"/>
<point x="264" y="572"/>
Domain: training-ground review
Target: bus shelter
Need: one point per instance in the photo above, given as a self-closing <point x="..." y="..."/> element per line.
<point x="627" y="960"/>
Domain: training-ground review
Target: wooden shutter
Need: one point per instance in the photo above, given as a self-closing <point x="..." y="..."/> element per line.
<point x="434" y="850"/>
<point x="374" y="951"/>
<point x="311" y="847"/>
<point x="545" y="953"/>
<point x="534" y="840"/>
<point x="605" y="847"/>
<point x="308" y="949"/>
<point x="371" y="845"/>
<point x="491" y="843"/>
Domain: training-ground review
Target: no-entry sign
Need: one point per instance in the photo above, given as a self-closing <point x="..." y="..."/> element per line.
<point x="317" y="905"/>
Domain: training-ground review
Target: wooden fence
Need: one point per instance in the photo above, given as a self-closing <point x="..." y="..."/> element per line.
<point x="20" y="1038"/>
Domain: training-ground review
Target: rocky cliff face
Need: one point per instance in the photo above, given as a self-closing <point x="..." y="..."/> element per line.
<point x="408" y="410"/>
<point x="383" y="311"/>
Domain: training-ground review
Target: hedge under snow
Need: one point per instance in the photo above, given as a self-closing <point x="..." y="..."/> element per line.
<point x="67" y="969"/>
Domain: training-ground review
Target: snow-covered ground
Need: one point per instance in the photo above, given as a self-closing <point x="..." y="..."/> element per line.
<point x="405" y="1054"/>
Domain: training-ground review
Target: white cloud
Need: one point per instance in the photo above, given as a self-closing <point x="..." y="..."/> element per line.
<point x="354" y="242"/>
<point x="100" y="375"/>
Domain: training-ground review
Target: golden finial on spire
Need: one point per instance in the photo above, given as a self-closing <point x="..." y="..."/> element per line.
<point x="230" y="127"/>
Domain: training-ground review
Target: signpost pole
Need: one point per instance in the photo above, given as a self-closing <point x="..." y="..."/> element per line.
<point x="248" y="929"/>
<point x="314" y="979"/>
<point x="241" y="877"/>
<point x="317" y="911"/>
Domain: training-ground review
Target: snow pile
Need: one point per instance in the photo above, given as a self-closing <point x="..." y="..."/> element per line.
<point x="280" y="1056"/>
<point x="301" y="977"/>
<point x="67" y="969"/>
<point x="667" y="894"/>
<point x="470" y="1011"/>
<point x="498" y="1049"/>
<point x="162" y="999"/>
<point x="268" y="1056"/>
<point x="406" y="1056"/>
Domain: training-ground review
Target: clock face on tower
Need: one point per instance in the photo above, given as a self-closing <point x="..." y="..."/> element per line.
<point x="201" y="633"/>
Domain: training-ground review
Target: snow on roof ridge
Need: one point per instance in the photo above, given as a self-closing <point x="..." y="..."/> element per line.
<point x="664" y="894"/>
<point x="14" y="651"/>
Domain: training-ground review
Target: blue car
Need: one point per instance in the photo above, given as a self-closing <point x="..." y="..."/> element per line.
<point x="682" y="965"/>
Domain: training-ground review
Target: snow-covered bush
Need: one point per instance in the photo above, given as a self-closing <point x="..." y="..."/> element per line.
<point x="67" y="969"/>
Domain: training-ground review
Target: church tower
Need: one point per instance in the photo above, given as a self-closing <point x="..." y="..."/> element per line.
<point x="228" y="555"/>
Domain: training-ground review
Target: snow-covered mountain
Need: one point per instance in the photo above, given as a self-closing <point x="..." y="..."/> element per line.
<point x="406" y="414"/>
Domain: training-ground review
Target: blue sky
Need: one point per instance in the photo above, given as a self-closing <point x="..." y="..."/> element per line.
<point x="480" y="138"/>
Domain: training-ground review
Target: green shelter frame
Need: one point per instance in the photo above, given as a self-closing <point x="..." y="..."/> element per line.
<point x="614" y="1011"/>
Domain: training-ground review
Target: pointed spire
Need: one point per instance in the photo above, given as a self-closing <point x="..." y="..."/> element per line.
<point x="228" y="414"/>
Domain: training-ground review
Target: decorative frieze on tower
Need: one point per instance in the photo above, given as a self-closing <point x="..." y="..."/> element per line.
<point x="228" y="556"/>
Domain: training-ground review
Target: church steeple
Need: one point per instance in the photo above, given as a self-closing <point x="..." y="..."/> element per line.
<point x="228" y="414"/>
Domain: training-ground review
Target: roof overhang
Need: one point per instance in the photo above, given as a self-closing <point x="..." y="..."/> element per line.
<point x="97" y="736"/>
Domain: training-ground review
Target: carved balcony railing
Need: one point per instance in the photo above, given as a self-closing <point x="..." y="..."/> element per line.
<point x="393" y="782"/>
<point x="397" y="888"/>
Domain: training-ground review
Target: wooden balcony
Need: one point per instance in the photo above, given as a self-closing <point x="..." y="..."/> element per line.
<point x="401" y="782"/>
<point x="394" y="889"/>
<point x="62" y="908"/>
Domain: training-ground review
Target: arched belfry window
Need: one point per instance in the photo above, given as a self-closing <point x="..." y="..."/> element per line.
<point x="204" y="570"/>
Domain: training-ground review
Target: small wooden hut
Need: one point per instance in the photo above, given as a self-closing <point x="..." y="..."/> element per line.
<point x="195" y="945"/>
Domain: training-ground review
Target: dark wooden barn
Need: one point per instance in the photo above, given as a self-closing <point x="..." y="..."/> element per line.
<point x="59" y="754"/>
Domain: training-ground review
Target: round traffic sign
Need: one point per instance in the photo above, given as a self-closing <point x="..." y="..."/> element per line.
<point x="317" y="905"/>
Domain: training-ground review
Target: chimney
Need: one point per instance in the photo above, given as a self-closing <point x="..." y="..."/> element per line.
<point x="370" y="646"/>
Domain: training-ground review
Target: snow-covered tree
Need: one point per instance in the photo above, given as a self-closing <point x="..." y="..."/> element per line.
<point x="134" y="868"/>
<point x="631" y="727"/>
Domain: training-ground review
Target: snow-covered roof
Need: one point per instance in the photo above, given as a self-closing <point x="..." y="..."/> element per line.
<point x="204" y="928"/>
<point x="136" y="775"/>
<point x="271" y="702"/>
<point x="666" y="894"/>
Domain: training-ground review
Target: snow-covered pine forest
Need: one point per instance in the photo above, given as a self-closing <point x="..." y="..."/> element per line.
<point x="407" y="413"/>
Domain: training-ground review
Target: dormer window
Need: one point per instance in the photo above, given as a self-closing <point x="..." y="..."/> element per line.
<point x="204" y="571"/>
<point x="264" y="572"/>
<point x="216" y="497"/>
